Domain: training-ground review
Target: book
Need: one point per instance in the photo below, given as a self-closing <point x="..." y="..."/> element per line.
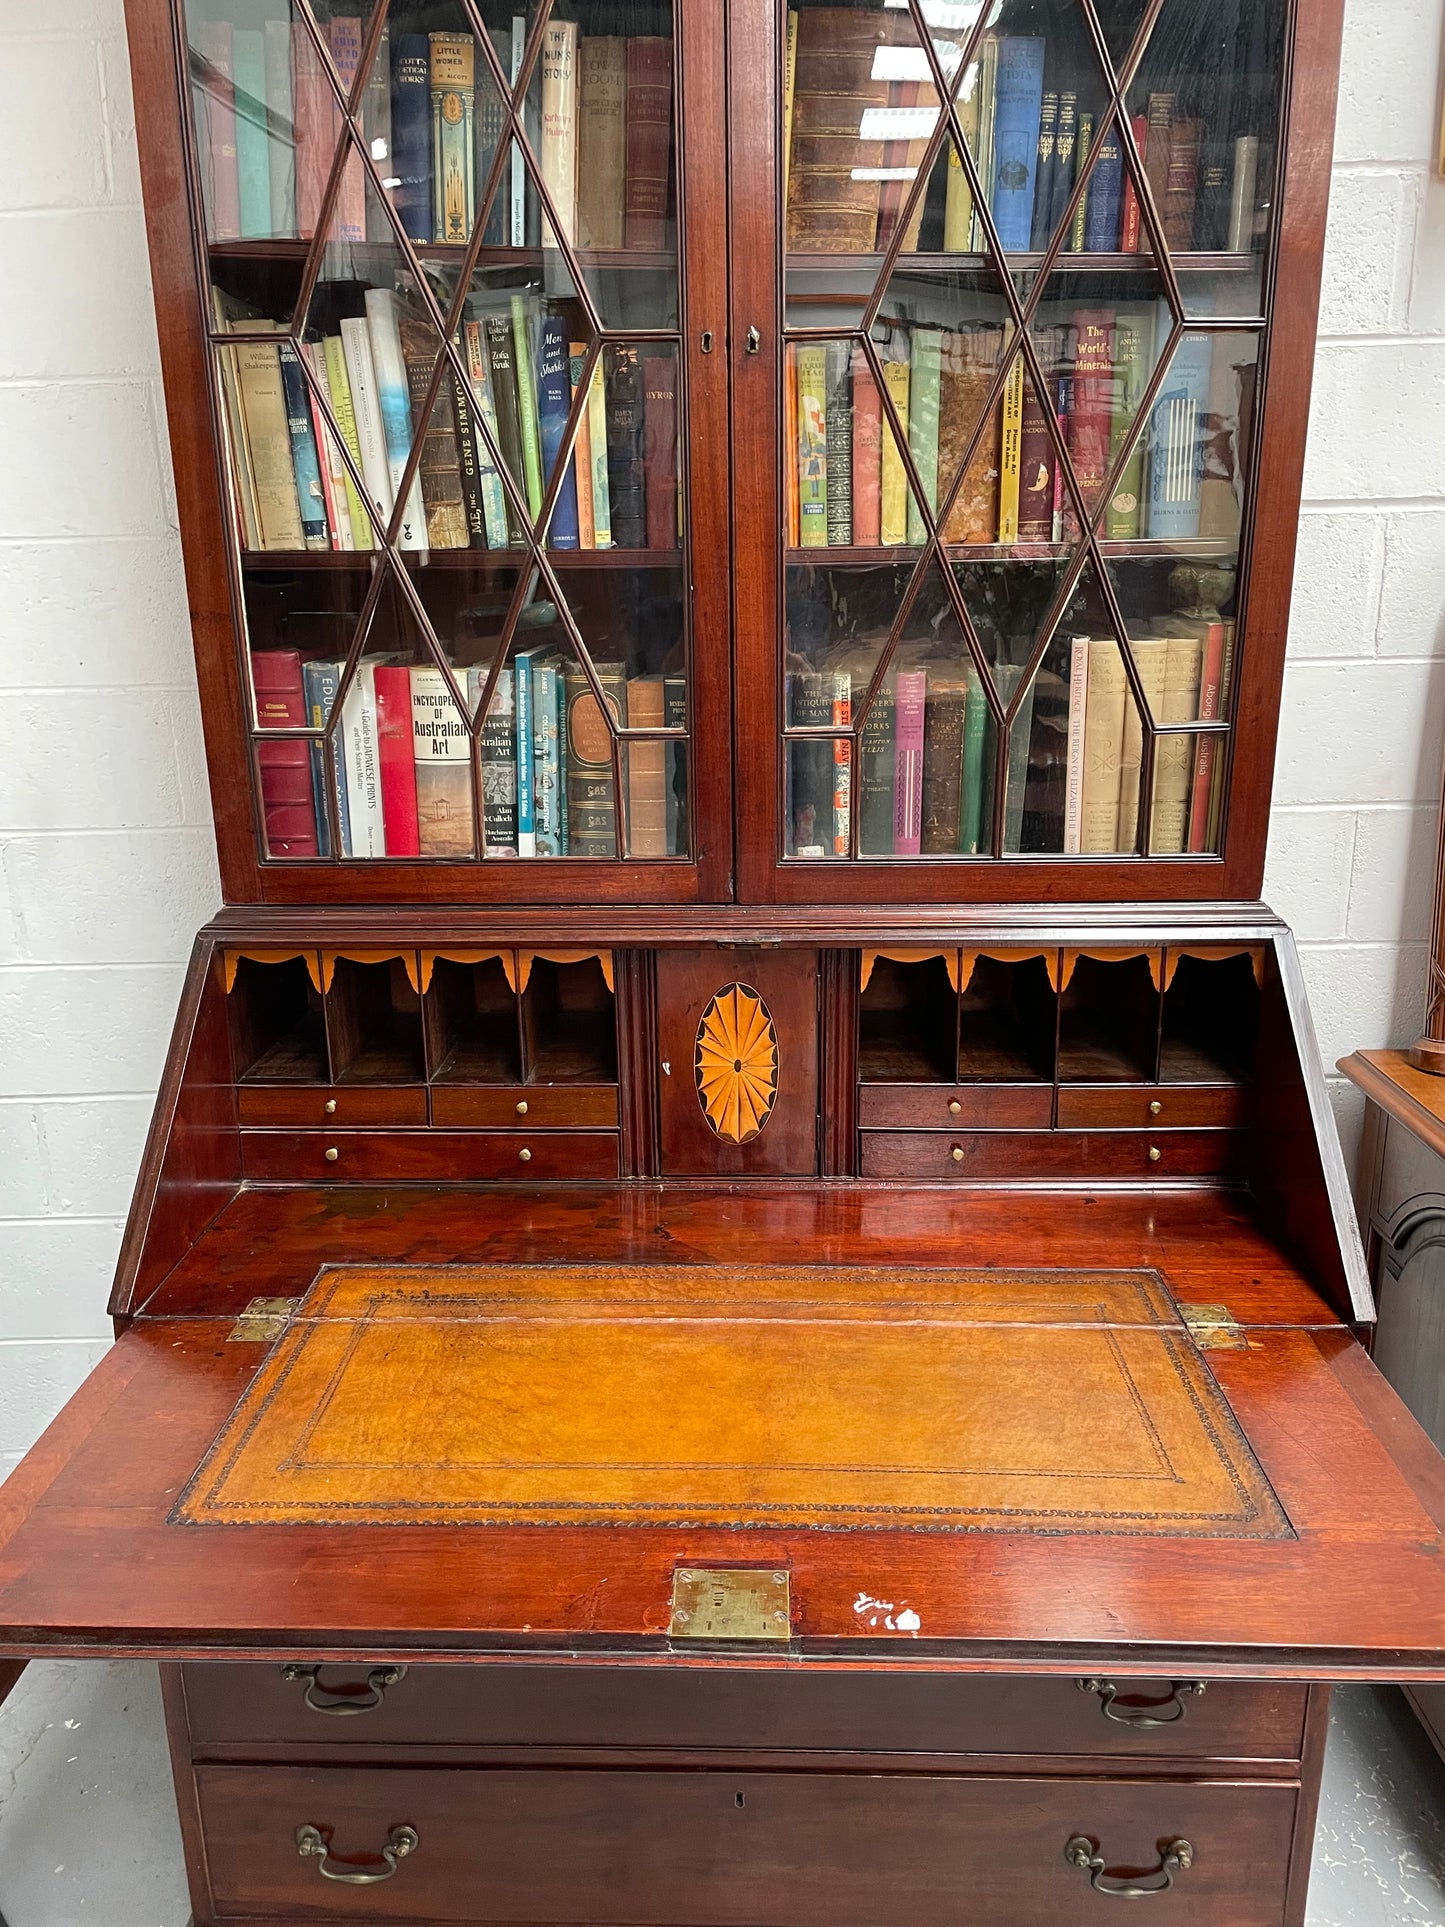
<point x="876" y="769"/>
<point x="548" y="705"/>
<point x="841" y="694"/>
<point x="974" y="834"/>
<point x="442" y="767"/>
<point x="1207" y="750"/>
<point x="366" y="832"/>
<point x="225" y="311"/>
<point x="866" y="426"/>
<point x="471" y="447"/>
<point x="333" y="467"/>
<point x="452" y="59"/>
<point x="945" y="710"/>
<point x="958" y="209"/>
<point x="1181" y="183"/>
<point x="366" y="416"/>
<point x="395" y="759"/>
<point x="1083" y="147"/>
<point x="393" y="400"/>
<point x="305" y="456"/>
<point x="411" y="135"/>
<point x="314" y="132"/>
<point x="1133" y="335"/>
<point x="893" y="479"/>
<point x="1104" y="206"/>
<point x="280" y="146"/>
<point x="1160" y="121"/>
<point x="554" y="402"/>
<point x="1066" y="142"/>
<point x="348" y="213"/>
<point x="812" y="417"/>
<point x="439" y="472"/>
<point x="832" y="173"/>
<point x="1174" y="755"/>
<point x="1176" y="441"/>
<point x="1074" y="760"/>
<point x="809" y="770"/>
<point x="1091" y="418"/>
<point x="506" y="422"/>
<point x="253" y="164"/>
<point x="531" y="436"/>
<point x="213" y="92"/>
<point x="968" y="364"/>
<point x="1018" y="98"/>
<point x="581" y="449"/>
<point x="492" y="129"/>
<point x="839" y="384"/>
<point x="597" y="442"/>
<point x="1220" y="760"/>
<point x="912" y="116"/>
<point x="1042" y="233"/>
<point x="559" y="126"/>
<point x="1006" y="677"/>
<point x="376" y="133"/>
<point x="790" y="88"/>
<point x="923" y="425"/>
<point x="1037" y="462"/>
<point x="320" y="682"/>
<point x="910" y="698"/>
<point x="601" y="141"/>
<point x="646" y="766"/>
<point x="268" y="444"/>
<point x="1107" y="694"/>
<point x="591" y="819"/>
<point x="649" y="141"/>
<point x="659" y="448"/>
<point x="1132" y="235"/>
<point x="988" y="55"/>
<point x="1010" y="455"/>
<point x="674" y="697"/>
<point x="284" y="770"/>
<point x="1151" y="659"/>
<point x="523" y="726"/>
<point x="792" y="506"/>
<point x="625" y="457"/>
<point x="517" y="198"/>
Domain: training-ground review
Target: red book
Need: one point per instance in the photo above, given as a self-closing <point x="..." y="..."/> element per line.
<point x="1092" y="413"/>
<point x="215" y="98"/>
<point x="1210" y="697"/>
<point x="649" y="141"/>
<point x="867" y="457"/>
<point x="288" y="801"/>
<point x="896" y="155"/>
<point x="1037" y="463"/>
<point x="313" y="110"/>
<point x="909" y="705"/>
<point x="349" y="221"/>
<point x="1132" y="226"/>
<point x="397" y="758"/>
<point x="659" y="449"/>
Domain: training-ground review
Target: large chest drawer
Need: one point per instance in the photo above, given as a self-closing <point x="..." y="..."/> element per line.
<point x="716" y="1849"/>
<point x="741" y="1711"/>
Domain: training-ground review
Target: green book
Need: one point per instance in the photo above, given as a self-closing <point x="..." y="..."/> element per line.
<point x="1133" y="334"/>
<point x="973" y="833"/>
<point x="923" y="424"/>
<point x="840" y="444"/>
<point x="527" y="403"/>
<point x="453" y="137"/>
<point x="813" y="446"/>
<point x="280" y="145"/>
<point x="253" y="157"/>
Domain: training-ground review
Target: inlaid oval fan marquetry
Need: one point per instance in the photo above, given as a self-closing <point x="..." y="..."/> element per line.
<point x="737" y="1063"/>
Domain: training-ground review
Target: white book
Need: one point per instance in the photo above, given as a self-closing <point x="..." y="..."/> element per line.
<point x="489" y="480"/>
<point x="559" y="126"/>
<point x="375" y="470"/>
<point x="333" y="467"/>
<point x="362" y="747"/>
<point x="518" y="224"/>
<point x="394" y="400"/>
<point x="1074" y="767"/>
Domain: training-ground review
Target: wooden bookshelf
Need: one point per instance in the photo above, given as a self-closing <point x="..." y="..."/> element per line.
<point x="899" y="555"/>
<point x="265" y="561"/>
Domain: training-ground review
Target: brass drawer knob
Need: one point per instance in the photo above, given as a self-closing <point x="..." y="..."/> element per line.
<point x="1155" y="1107"/>
<point x="314" y="1843"/>
<point x="522" y="1108"/>
<point x="1154" y="1154"/>
<point x="1082" y="1852"/>
<point x="957" y="1154"/>
<point x="955" y="1109"/>
<point x="525" y="1155"/>
<point x="330" y="1107"/>
<point x="332" y="1154"/>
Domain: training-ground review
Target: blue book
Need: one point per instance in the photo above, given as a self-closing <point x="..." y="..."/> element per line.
<point x="1176" y="439"/>
<point x="253" y="148"/>
<point x="321" y="680"/>
<point x="554" y="400"/>
<point x="1104" y="210"/>
<point x="522" y="706"/>
<point x="1018" y="106"/>
<point x="547" y="797"/>
<point x="490" y="126"/>
<point x="304" y="458"/>
<point x="411" y="133"/>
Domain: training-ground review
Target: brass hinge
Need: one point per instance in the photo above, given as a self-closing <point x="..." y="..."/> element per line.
<point x="1213" y="1328"/>
<point x="263" y="1319"/>
<point x="729" y="1603"/>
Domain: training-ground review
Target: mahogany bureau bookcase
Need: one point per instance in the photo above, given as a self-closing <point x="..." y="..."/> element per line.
<point x="742" y="1306"/>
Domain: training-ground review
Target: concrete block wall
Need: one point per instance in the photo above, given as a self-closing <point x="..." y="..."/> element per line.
<point x="106" y="863"/>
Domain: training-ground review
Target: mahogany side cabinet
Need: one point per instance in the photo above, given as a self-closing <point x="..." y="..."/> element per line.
<point x="742" y="1307"/>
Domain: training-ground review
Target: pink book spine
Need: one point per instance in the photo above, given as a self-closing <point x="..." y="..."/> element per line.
<point x="349" y="221"/>
<point x="910" y="702"/>
<point x="395" y="754"/>
<point x="867" y="458"/>
<point x="314" y="115"/>
<point x="1209" y="746"/>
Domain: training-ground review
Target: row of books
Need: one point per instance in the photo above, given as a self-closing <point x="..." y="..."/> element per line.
<point x="1183" y="479"/>
<point x="295" y="490"/>
<point x="402" y="760"/>
<point x="927" y="762"/>
<point x="267" y="127"/>
<point x="861" y="110"/>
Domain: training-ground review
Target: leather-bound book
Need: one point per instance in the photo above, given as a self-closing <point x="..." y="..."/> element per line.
<point x="591" y="816"/>
<point x="944" y="711"/>
<point x="876" y="758"/>
<point x="649" y="140"/>
<point x="1092" y="415"/>
<point x="1158" y="142"/>
<point x="1037" y="462"/>
<point x="646" y="767"/>
<point x="659" y="449"/>
<point x="442" y="494"/>
<point x="601" y="141"/>
<point x="867" y="456"/>
<point x="288" y="797"/>
<point x="1181" y="184"/>
<point x="968" y="362"/>
<point x="832" y="204"/>
<point x="625" y="446"/>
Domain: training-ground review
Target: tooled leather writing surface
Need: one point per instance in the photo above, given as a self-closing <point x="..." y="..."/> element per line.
<point x="807" y="1397"/>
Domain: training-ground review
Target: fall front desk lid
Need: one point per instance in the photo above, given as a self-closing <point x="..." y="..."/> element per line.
<point x="1049" y="1402"/>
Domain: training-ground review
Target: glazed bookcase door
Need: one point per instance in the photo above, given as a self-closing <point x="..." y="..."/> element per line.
<point x="448" y="254"/>
<point x="1011" y="605"/>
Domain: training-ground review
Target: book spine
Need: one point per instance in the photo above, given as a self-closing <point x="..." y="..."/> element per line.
<point x="893" y="511"/>
<point x="1091" y="418"/>
<point x="1083" y="146"/>
<point x="957" y="194"/>
<point x="943" y="728"/>
<point x="1131" y="221"/>
<point x="591" y="813"/>
<point x="646" y="767"/>
<point x="1104" y="706"/>
<point x="441" y="767"/>
<point x="1104" y="202"/>
<point x="987" y="89"/>
<point x="867" y="432"/>
<point x="280" y="146"/>
<point x="876" y="760"/>
<point x="214" y="94"/>
<point x="439" y="472"/>
<point x="288" y="803"/>
<point x="279" y="688"/>
<point x="305" y="459"/>
<point x="1216" y="792"/>
<point x="972" y="830"/>
<point x="923" y="405"/>
<point x="1175" y="756"/>
<point x="601" y="141"/>
<point x="371" y="437"/>
<point x="1074" y="765"/>
<point x="1124" y="515"/>
<point x="793" y="504"/>
<point x="268" y="439"/>
<point x="790" y="89"/>
<point x="1156" y="152"/>
<point x="339" y="388"/>
<point x="394" y="402"/>
<point x="674" y="716"/>
<point x="1176" y="442"/>
<point x="469" y="461"/>
<point x="842" y="715"/>
<point x="253" y="166"/>
<point x="625" y="485"/>
<point x="581" y="449"/>
<point x="1063" y="409"/>
<point x="1207" y="752"/>
<point x="411" y="134"/>
<point x="659" y="449"/>
<point x="321" y="680"/>
<point x="1042" y="233"/>
<point x="238" y="453"/>
<point x="910" y="701"/>
<point x="1019" y="101"/>
<point x="527" y="403"/>
<point x="348" y="216"/>
<point x="649" y="141"/>
<point x="517" y="197"/>
<point x="1037" y="462"/>
<point x="395" y="760"/>
<point x="489" y="120"/>
<point x="810" y="765"/>
<point x="812" y="359"/>
<point x="840" y="444"/>
<point x="559" y="126"/>
<point x="597" y="439"/>
<point x="452" y="67"/>
<point x="1181" y="183"/>
<point x="554" y="396"/>
<point x="507" y="419"/>
<point x="1020" y="746"/>
<point x="525" y="727"/>
<point x="376" y="131"/>
<point x="315" y="129"/>
<point x="1066" y="144"/>
<point x="333" y="469"/>
<point x="1240" y="236"/>
<point x="546" y="770"/>
<point x="1010" y="459"/>
<point x="367" y="837"/>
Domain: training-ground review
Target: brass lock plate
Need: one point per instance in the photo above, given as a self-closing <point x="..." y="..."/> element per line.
<point x="731" y="1603"/>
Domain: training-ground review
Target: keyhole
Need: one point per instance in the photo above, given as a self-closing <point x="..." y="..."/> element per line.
<point x="739" y="1800"/>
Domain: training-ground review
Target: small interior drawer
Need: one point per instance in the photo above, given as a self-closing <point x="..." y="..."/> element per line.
<point x="369" y="1157"/>
<point x="942" y="1107"/>
<point x="1159" y="1107"/>
<point x="1004" y="1155"/>
<point x="339" y="1107"/>
<point x="532" y="1107"/>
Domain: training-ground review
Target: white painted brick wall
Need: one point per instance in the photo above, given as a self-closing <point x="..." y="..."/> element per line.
<point x="106" y="863"/>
